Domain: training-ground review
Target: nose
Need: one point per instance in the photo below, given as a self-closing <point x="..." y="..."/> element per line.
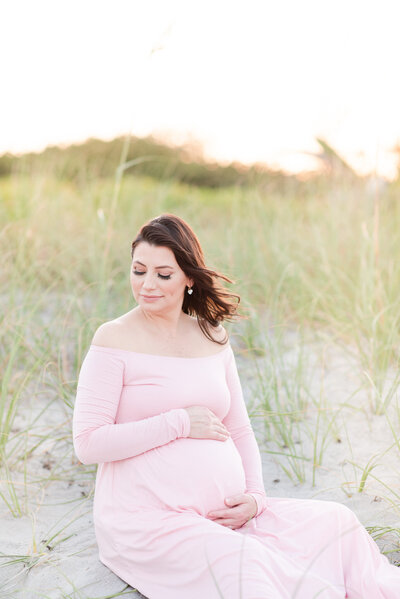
<point x="149" y="281"/>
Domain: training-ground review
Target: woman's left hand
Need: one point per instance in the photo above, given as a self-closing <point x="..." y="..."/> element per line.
<point x="241" y="509"/>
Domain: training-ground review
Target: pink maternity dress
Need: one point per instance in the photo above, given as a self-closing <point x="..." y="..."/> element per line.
<point x="155" y="486"/>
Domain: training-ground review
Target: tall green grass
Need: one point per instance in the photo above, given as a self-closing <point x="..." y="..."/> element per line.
<point x="321" y="256"/>
<point x="327" y="258"/>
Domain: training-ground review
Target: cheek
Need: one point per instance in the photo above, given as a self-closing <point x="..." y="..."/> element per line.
<point x="135" y="282"/>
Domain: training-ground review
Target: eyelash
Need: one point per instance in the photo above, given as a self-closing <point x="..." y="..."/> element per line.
<point x="165" y="277"/>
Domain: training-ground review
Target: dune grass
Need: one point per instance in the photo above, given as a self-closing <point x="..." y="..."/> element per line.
<point x="318" y="259"/>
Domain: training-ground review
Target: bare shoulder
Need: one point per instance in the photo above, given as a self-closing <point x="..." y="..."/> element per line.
<point x="108" y="334"/>
<point x="220" y="334"/>
<point x="195" y="335"/>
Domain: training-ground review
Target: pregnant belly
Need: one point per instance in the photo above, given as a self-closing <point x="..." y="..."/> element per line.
<point x="186" y="474"/>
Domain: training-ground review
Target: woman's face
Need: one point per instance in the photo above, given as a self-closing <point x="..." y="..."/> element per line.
<point x="158" y="283"/>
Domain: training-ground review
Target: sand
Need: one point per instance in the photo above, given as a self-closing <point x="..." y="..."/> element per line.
<point x="339" y="417"/>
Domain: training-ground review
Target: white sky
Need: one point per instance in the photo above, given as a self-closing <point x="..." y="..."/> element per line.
<point x="252" y="80"/>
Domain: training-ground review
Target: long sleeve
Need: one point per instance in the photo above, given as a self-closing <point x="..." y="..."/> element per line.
<point x="96" y="436"/>
<point x="238" y="423"/>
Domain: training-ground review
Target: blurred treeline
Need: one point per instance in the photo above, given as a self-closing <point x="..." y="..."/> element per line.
<point x="96" y="159"/>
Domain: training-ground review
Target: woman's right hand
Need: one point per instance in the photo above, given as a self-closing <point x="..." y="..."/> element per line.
<point x="204" y="424"/>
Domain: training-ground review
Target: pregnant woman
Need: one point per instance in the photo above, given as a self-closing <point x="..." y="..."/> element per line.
<point x="180" y="510"/>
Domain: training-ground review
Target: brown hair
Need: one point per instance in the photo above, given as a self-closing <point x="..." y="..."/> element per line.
<point x="210" y="301"/>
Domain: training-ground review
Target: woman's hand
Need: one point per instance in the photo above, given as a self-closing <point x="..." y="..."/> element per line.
<point x="204" y="424"/>
<point x="241" y="509"/>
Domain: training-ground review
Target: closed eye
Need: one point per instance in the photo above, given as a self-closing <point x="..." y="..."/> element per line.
<point x="142" y="272"/>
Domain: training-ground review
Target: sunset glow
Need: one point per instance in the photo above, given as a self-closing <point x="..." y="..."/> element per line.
<point x="254" y="81"/>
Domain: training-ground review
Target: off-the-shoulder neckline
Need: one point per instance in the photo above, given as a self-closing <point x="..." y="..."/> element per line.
<point x="128" y="351"/>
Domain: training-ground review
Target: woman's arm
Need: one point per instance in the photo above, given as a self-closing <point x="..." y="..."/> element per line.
<point x="238" y="423"/>
<point x="96" y="436"/>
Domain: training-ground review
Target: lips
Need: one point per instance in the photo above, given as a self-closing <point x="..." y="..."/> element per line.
<point x="151" y="296"/>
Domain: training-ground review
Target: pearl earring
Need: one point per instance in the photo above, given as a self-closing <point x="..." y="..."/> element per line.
<point x="190" y="291"/>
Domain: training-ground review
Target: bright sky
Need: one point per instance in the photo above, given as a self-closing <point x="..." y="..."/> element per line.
<point x="253" y="80"/>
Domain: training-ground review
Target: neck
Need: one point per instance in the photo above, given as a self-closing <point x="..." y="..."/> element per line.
<point x="166" y="324"/>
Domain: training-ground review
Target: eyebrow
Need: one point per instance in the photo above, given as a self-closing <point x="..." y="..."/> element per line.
<point x="164" y="266"/>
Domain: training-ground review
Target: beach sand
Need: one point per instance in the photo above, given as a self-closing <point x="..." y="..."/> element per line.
<point x="54" y="538"/>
